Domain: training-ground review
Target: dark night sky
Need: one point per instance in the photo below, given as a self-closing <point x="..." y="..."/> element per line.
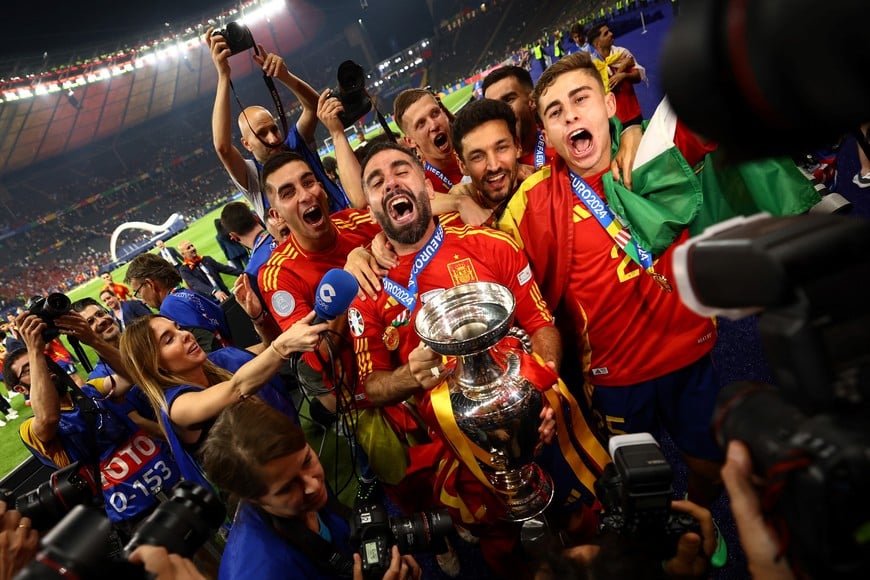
<point x="63" y="26"/>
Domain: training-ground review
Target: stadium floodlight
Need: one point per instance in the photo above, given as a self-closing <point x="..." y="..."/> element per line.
<point x="10" y="96"/>
<point x="25" y="93"/>
<point x="53" y="88"/>
<point x="41" y="90"/>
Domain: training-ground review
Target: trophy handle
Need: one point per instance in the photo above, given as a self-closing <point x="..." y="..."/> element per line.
<point x="522" y="336"/>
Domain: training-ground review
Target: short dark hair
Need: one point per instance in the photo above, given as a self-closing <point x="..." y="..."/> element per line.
<point x="237" y="218"/>
<point x="595" y="32"/>
<point x="578" y="29"/>
<point x="330" y="165"/>
<point x="153" y="267"/>
<point x="275" y="162"/>
<point x="83" y="303"/>
<point x="522" y="75"/>
<point x="475" y="114"/>
<point x="380" y="146"/>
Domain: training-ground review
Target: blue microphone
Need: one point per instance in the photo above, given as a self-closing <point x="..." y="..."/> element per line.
<point x="336" y="291"/>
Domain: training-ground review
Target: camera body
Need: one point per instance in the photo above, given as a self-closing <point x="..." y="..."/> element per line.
<point x="374" y="533"/>
<point x="635" y="491"/>
<point x="352" y="93"/>
<point x="808" y="437"/>
<point x="237" y="36"/>
<point x="181" y="525"/>
<point x="48" y="308"/>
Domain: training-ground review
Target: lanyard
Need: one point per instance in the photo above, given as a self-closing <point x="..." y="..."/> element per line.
<point x="439" y="174"/>
<point x="540" y="148"/>
<point x="407" y="297"/>
<point x="617" y="230"/>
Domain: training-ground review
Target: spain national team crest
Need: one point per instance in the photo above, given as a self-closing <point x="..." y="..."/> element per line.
<point x="355" y="321"/>
<point x="462" y="272"/>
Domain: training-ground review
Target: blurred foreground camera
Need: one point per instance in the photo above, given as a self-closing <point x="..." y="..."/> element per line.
<point x="375" y="533"/>
<point x="48" y="308"/>
<point x="52" y="500"/>
<point x="237" y="36"/>
<point x="635" y="492"/>
<point x="352" y="93"/>
<point x="182" y="524"/>
<point x="78" y="546"/>
<point x="808" y="438"/>
<point x="740" y="73"/>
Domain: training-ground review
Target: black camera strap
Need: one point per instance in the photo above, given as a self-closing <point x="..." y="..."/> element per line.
<point x="276" y="98"/>
<point x="89" y="412"/>
<point x="326" y="557"/>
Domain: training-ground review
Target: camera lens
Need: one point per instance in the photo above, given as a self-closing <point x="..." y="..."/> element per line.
<point x="182" y="524"/>
<point x="57" y="304"/>
<point x="48" y="503"/>
<point x="351" y="77"/>
<point x="421" y="532"/>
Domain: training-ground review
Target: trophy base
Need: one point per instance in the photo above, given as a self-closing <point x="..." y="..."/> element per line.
<point x="525" y="497"/>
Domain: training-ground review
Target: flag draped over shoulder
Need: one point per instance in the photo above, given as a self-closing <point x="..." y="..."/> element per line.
<point x="670" y="195"/>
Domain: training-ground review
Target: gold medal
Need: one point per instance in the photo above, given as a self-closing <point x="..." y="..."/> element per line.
<point x="391" y="337"/>
<point x="663" y="282"/>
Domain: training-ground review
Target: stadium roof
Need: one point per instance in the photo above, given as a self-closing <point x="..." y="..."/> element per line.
<point x="99" y="73"/>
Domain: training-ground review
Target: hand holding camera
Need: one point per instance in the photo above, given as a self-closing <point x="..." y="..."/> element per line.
<point x="401" y="567"/>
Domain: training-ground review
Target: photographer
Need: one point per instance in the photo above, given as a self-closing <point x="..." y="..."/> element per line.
<point x="261" y="135"/>
<point x="627" y="558"/>
<point x="74" y="424"/>
<point x="288" y="524"/>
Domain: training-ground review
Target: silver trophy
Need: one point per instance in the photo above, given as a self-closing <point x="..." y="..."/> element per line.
<point x="494" y="406"/>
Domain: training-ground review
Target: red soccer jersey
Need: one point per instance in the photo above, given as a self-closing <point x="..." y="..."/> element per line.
<point x="121" y="291"/>
<point x="468" y="254"/>
<point x="451" y="175"/>
<point x="291" y="276"/>
<point x="630" y="329"/>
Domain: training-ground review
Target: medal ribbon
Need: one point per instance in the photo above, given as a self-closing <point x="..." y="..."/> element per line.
<point x="540" y="148"/>
<point x="439" y="174"/>
<point x="612" y="224"/>
<point x="407" y="297"/>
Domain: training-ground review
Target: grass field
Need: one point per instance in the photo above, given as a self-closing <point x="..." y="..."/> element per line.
<point x="201" y="233"/>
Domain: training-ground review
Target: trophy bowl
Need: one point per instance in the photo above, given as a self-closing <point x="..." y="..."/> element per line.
<point x="466" y="319"/>
<point x="496" y="408"/>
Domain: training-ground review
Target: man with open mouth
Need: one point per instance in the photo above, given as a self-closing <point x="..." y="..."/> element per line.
<point x="426" y="127"/>
<point x="317" y="243"/>
<point x="395" y="368"/>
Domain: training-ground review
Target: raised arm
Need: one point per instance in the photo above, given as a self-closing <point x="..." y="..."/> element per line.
<point x="273" y="65"/>
<point x="74" y="325"/>
<point x="348" y="166"/>
<point x="221" y="122"/>
<point x="194" y="407"/>
<point x="44" y="398"/>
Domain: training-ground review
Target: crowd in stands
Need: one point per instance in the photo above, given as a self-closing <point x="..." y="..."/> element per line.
<point x="516" y="192"/>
